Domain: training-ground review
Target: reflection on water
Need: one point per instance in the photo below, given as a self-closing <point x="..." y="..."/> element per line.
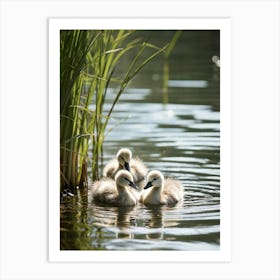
<point x="181" y="139"/>
<point x="187" y="84"/>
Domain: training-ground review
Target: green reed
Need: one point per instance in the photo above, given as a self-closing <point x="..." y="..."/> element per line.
<point x="167" y="53"/>
<point x="89" y="61"/>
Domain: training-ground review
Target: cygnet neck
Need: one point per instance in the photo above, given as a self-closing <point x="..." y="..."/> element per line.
<point x="125" y="194"/>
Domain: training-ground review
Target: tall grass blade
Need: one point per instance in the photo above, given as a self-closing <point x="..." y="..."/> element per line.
<point x="89" y="62"/>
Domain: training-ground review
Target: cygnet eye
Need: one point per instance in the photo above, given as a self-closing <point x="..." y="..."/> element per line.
<point x="154" y="179"/>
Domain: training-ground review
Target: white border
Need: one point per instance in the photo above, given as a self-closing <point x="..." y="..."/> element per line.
<point x="222" y="24"/>
<point x="255" y="139"/>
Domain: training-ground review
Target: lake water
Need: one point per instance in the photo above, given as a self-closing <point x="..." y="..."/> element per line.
<point x="180" y="138"/>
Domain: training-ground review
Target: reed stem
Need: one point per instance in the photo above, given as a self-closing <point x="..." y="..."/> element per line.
<point x="89" y="60"/>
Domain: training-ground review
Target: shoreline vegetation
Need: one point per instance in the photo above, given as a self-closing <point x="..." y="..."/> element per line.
<point x="89" y="61"/>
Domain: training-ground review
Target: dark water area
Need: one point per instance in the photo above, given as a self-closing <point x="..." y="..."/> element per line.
<point x="181" y="138"/>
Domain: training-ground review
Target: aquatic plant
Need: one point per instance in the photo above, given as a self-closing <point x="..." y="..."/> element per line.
<point x="167" y="53"/>
<point x="88" y="63"/>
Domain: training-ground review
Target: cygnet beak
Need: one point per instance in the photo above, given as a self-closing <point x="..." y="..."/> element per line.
<point x="149" y="184"/>
<point x="126" y="165"/>
<point x="131" y="184"/>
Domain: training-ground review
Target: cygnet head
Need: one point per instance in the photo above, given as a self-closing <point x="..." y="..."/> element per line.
<point x="124" y="156"/>
<point x="154" y="179"/>
<point x="124" y="179"/>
